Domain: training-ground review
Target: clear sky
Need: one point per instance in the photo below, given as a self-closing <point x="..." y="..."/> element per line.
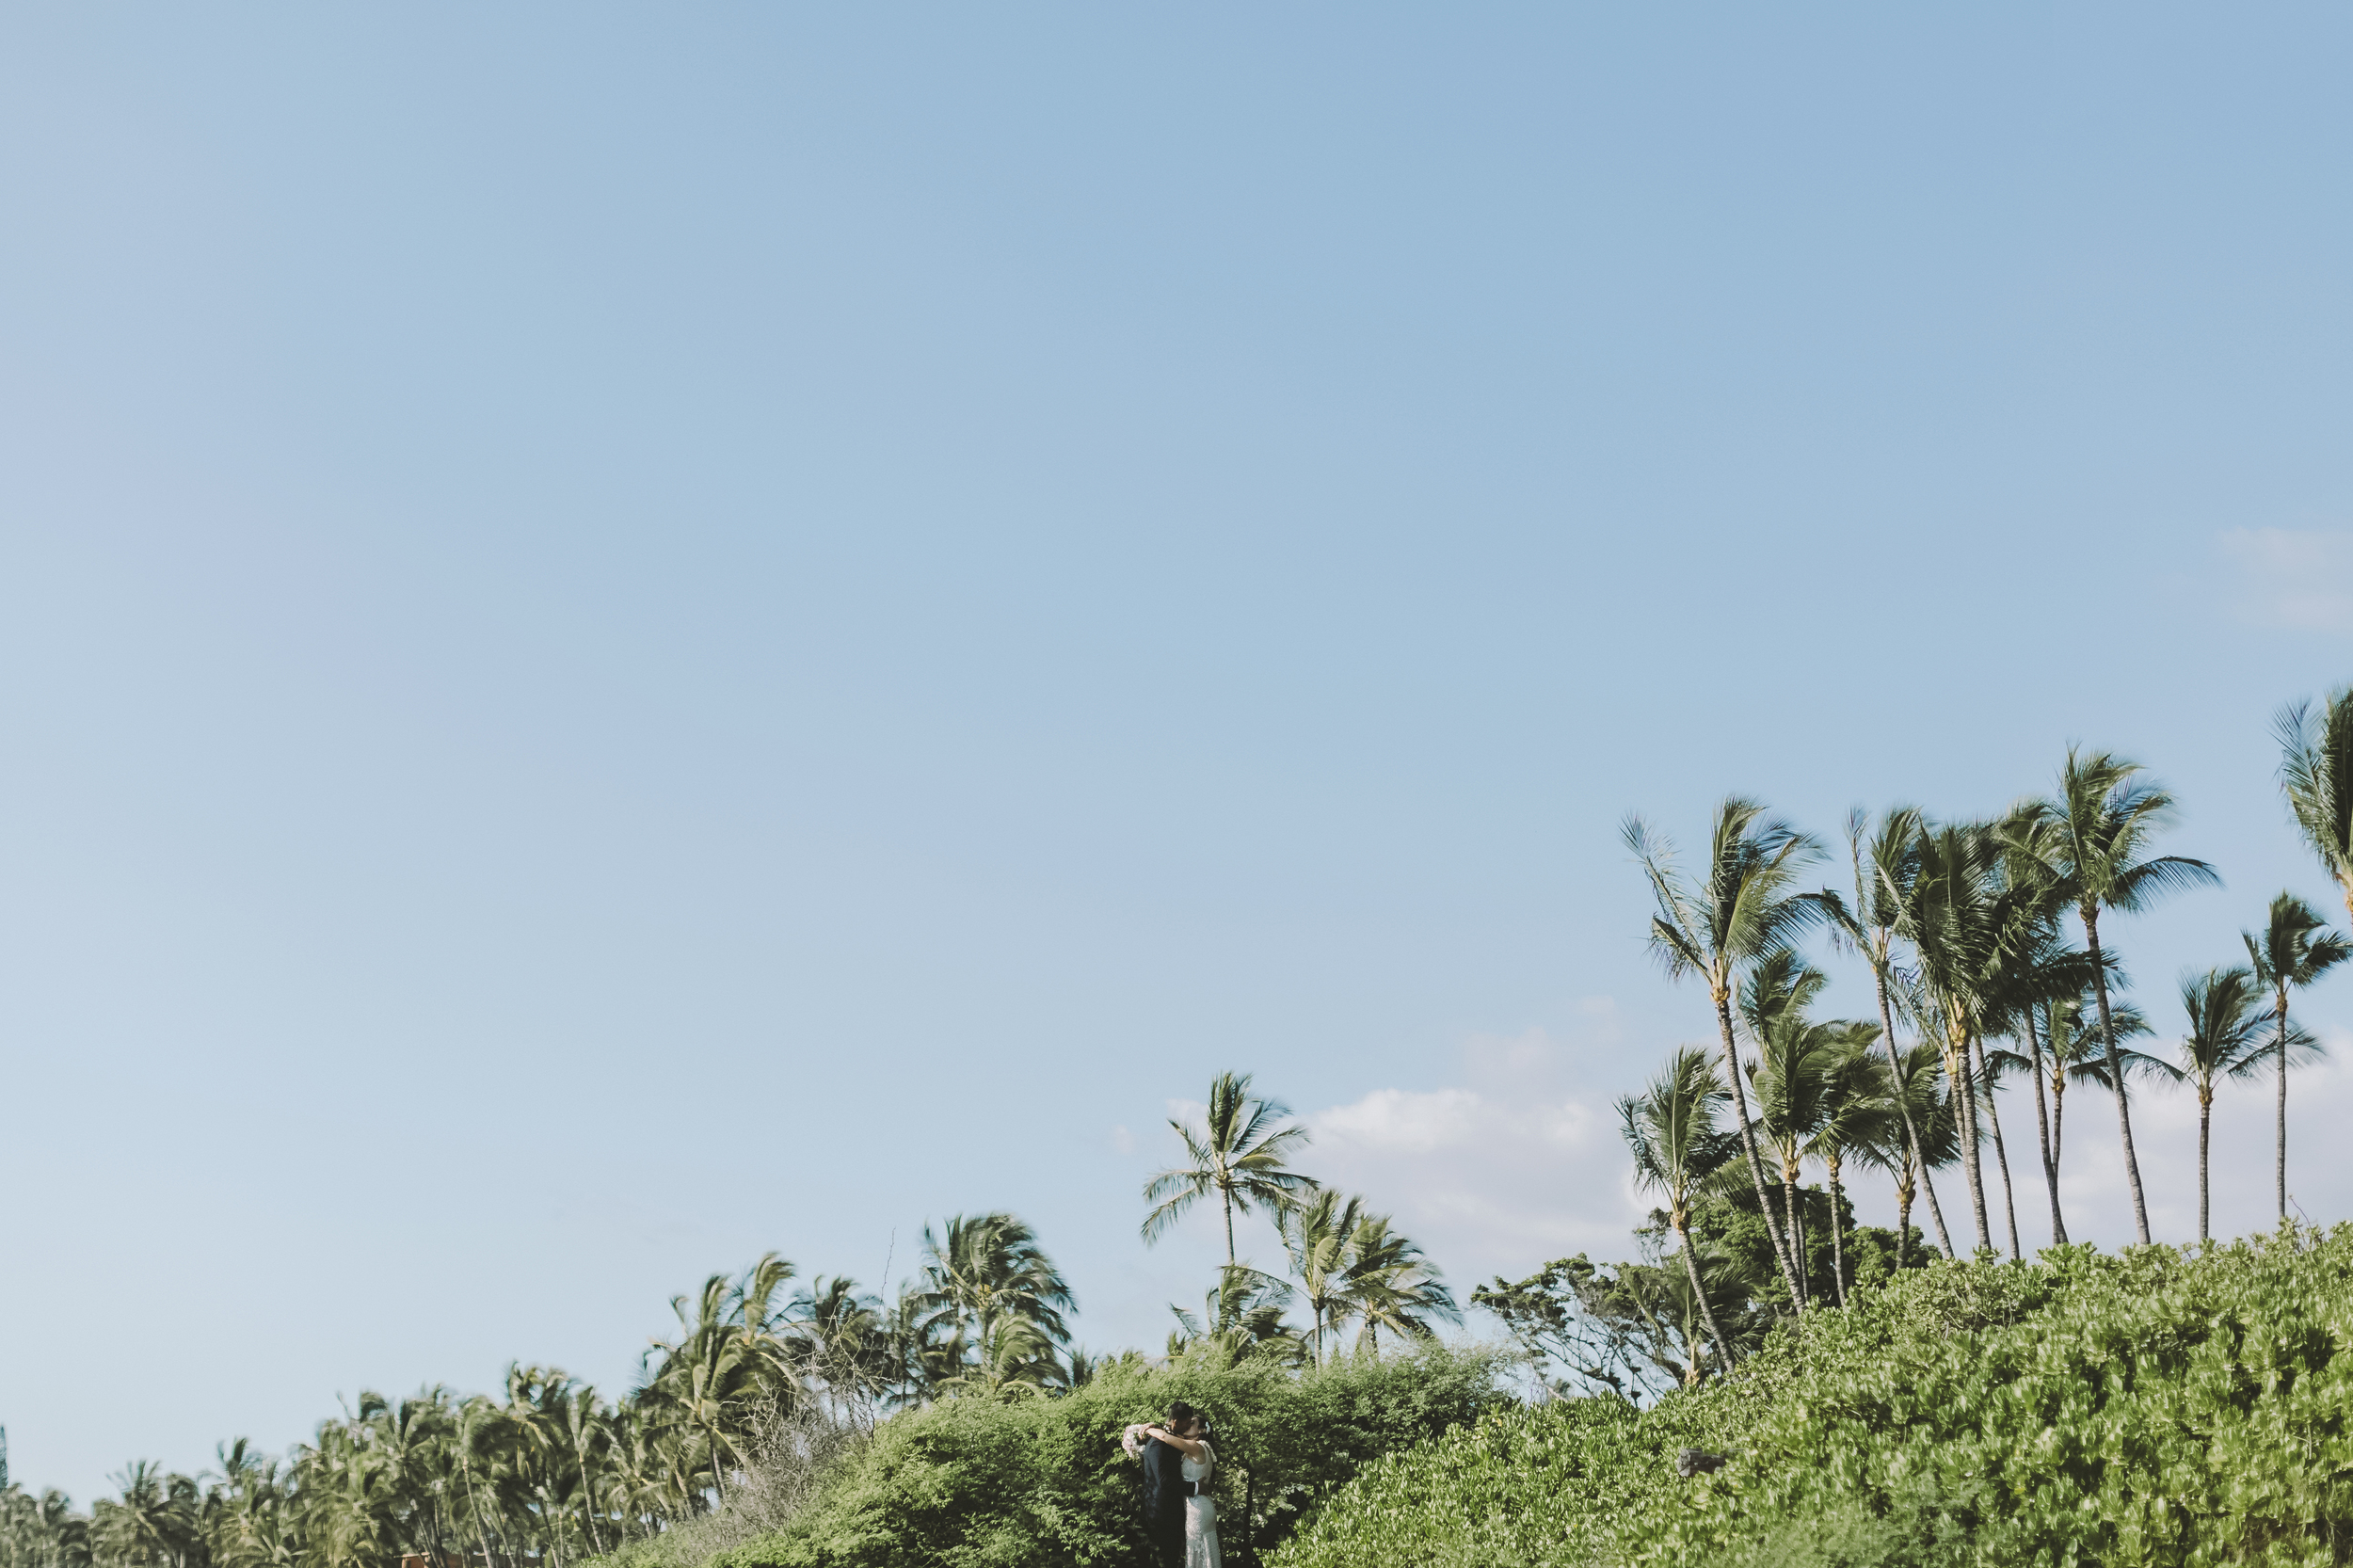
<point x="633" y="635"/>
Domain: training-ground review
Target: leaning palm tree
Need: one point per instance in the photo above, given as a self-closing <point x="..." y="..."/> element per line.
<point x="1671" y="1128"/>
<point x="1886" y="863"/>
<point x="2294" y="949"/>
<point x="2102" y="820"/>
<point x="1740" y="908"/>
<point x="1320" y="1234"/>
<point x="1238" y="1154"/>
<point x="2225" y="1040"/>
<point x="1392" y="1284"/>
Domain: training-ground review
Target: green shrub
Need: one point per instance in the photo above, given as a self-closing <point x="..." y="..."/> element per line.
<point x="974" y="1483"/>
<point x="2158" y="1408"/>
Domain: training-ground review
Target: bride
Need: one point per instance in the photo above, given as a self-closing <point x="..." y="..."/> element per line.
<point x="1189" y="1435"/>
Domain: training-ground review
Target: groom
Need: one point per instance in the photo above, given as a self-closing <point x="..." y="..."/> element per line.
<point x="1164" y="1490"/>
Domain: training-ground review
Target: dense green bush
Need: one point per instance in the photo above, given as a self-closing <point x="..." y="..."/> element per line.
<point x="2158" y="1408"/>
<point x="1042" y="1482"/>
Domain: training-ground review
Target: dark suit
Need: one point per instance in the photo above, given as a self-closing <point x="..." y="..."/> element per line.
<point x="1164" y="1500"/>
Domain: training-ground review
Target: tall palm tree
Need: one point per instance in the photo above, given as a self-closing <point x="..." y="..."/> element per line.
<point x="1392" y="1284"/>
<point x="1886" y="863"/>
<point x="1741" y="908"/>
<point x="989" y="1284"/>
<point x="2225" y="1040"/>
<point x="2294" y="949"/>
<point x="1240" y="1154"/>
<point x="2103" y="819"/>
<point x="1671" y="1128"/>
<point x="1789" y="1072"/>
<point x="1320" y="1234"/>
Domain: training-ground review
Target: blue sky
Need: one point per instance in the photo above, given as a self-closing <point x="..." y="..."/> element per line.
<point x="632" y="637"/>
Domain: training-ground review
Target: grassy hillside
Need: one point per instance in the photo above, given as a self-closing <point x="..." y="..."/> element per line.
<point x="2159" y="1408"/>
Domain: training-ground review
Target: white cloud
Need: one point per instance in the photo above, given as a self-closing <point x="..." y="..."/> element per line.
<point x="2298" y="579"/>
<point x="1496" y="1176"/>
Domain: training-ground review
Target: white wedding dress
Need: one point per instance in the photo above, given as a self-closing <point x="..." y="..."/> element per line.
<point x="1200" y="1514"/>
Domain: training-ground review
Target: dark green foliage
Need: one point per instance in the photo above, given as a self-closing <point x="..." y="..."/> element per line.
<point x="1039" y="1481"/>
<point x="1730" y="1225"/>
<point x="2162" y="1408"/>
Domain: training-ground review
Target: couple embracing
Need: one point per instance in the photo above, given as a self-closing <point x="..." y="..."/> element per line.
<point x="1177" y="1460"/>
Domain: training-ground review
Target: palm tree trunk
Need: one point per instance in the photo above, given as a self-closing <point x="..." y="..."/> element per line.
<point x="1227" y="1193"/>
<point x="1903" y="1218"/>
<point x="482" y="1531"/>
<point x="1748" y="1146"/>
<point x="1965" y="1109"/>
<point x="2001" y="1157"/>
<point x="2205" y="1125"/>
<point x="2090" y="914"/>
<point x="2280" y="1148"/>
<point x="1837" y="1243"/>
<point x="1903" y="1103"/>
<point x="1797" y="1232"/>
<point x="2058" y="1109"/>
<point x="1708" y="1312"/>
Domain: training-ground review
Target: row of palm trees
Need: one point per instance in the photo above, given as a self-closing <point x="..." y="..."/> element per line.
<point x="550" y="1469"/>
<point x="1350" y="1264"/>
<point x="1990" y="963"/>
<point x="759" y="1366"/>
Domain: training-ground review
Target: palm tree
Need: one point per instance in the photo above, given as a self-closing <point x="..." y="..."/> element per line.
<point x="1917" y="1084"/>
<point x="1238" y="1154"/>
<point x="1671" y="1128"/>
<point x="841" y="1339"/>
<point x="2316" y="775"/>
<point x="2225" y="1021"/>
<point x="1859" y="1111"/>
<point x="1240" y="1320"/>
<point x="2067" y="1029"/>
<point x="1740" y="910"/>
<point x="2102" y="820"/>
<point x="1886" y="866"/>
<point x="1320" y="1234"/>
<point x="990" y="1288"/>
<point x="727" y="1358"/>
<point x="2044" y="973"/>
<point x="1959" y="918"/>
<point x="1392" y="1284"/>
<point x="2294" y="949"/>
<point x="1793" y="1054"/>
